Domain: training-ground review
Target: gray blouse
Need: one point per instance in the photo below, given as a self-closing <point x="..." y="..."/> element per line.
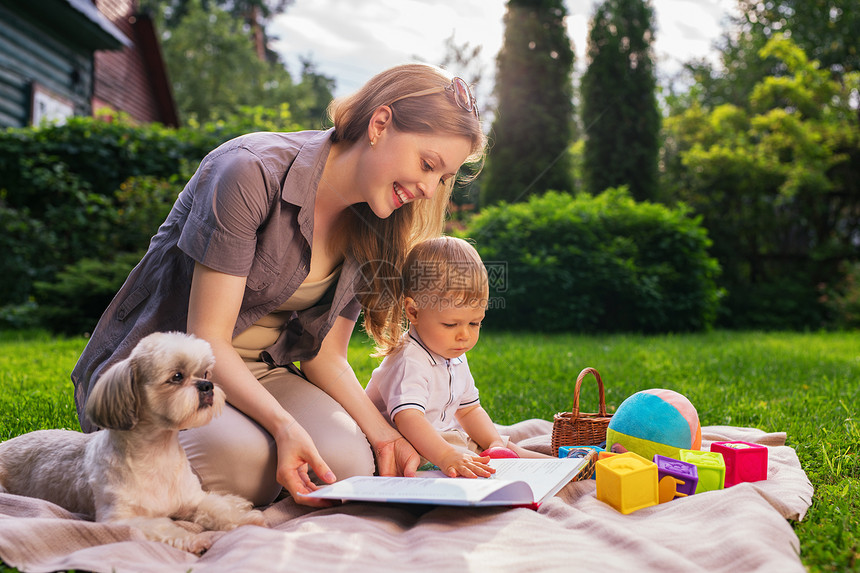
<point x="247" y="211"/>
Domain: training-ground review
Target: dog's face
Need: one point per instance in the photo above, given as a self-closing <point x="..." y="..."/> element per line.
<point x="164" y="381"/>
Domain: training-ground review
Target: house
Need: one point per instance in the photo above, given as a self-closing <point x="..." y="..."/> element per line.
<point x="60" y="58"/>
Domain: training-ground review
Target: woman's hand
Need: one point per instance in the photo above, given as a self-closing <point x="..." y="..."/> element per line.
<point x="456" y="463"/>
<point x="212" y="311"/>
<point x="296" y="456"/>
<point x="396" y="457"/>
<point x="330" y="370"/>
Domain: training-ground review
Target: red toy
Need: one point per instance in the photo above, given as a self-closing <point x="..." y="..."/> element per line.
<point x="498" y="453"/>
<point x="744" y="461"/>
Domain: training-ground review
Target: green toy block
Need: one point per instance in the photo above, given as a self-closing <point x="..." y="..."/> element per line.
<point x="711" y="468"/>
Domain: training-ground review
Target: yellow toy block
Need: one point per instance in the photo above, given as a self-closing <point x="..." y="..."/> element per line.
<point x="711" y="468"/>
<point x="627" y="482"/>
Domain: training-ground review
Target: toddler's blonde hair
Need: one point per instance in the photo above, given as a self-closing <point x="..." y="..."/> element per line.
<point x="442" y="272"/>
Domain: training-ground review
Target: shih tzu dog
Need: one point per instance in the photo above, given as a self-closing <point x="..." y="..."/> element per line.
<point x="134" y="471"/>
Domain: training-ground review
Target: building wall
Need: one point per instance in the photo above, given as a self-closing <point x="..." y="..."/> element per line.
<point x="33" y="61"/>
<point x="125" y="79"/>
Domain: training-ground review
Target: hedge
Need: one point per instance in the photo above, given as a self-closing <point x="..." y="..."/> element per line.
<point x="588" y="264"/>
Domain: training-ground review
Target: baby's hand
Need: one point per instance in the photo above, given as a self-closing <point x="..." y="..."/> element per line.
<point x="467" y="465"/>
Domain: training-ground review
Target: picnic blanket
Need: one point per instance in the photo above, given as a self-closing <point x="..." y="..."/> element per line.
<point x="743" y="528"/>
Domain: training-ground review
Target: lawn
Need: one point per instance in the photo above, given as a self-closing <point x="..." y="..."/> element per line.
<point x="805" y="384"/>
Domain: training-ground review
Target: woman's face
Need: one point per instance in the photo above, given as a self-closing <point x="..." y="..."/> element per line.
<point x="403" y="167"/>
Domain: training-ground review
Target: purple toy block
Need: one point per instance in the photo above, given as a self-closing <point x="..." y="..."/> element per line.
<point x="684" y="474"/>
<point x="744" y="461"/>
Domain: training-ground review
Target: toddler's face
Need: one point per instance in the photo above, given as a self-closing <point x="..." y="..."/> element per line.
<point x="447" y="327"/>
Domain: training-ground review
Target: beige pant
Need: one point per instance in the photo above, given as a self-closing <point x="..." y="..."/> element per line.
<point x="234" y="454"/>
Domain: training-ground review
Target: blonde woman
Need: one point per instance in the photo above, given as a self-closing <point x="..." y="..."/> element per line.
<point x="270" y="253"/>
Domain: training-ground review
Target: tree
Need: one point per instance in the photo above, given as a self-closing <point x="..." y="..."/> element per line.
<point x="533" y="124"/>
<point x="256" y="14"/>
<point x="619" y="106"/>
<point x="826" y="30"/>
<point x="464" y="60"/>
<point x="212" y="61"/>
<point x="741" y="68"/>
<point x="311" y="96"/>
<point x="777" y="182"/>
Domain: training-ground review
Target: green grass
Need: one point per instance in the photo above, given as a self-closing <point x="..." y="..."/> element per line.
<point x="807" y="385"/>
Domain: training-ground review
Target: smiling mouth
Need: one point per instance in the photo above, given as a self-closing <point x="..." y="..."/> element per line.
<point x="403" y="196"/>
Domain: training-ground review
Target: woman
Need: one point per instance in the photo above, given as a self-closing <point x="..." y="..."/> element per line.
<point x="270" y="253"/>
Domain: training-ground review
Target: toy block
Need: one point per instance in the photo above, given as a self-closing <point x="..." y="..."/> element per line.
<point x="590" y="454"/>
<point x="677" y="478"/>
<point x="577" y="451"/>
<point x="627" y="482"/>
<point x="744" y="461"/>
<point x="710" y="467"/>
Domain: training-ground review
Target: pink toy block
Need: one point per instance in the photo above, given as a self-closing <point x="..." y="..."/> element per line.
<point x="680" y="478"/>
<point x="744" y="461"/>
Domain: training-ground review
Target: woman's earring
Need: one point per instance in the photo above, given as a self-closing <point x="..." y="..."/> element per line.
<point x="372" y="142"/>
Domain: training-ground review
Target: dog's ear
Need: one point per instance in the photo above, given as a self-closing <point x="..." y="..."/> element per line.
<point x="113" y="402"/>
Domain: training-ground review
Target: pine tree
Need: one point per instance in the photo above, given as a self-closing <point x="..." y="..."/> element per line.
<point x="619" y="106"/>
<point x="534" y="119"/>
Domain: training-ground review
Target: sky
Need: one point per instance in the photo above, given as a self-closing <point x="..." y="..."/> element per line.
<point x="351" y="41"/>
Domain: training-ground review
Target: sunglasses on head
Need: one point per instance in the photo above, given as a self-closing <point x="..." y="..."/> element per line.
<point x="462" y="95"/>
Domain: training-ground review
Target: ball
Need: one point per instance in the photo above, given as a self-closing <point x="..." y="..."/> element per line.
<point x="499" y="452"/>
<point x="656" y="421"/>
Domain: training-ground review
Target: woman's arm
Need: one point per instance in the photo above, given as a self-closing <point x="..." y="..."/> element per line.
<point x="212" y="312"/>
<point x="330" y="371"/>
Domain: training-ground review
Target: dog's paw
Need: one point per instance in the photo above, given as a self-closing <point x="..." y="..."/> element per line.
<point x="165" y="530"/>
<point x="196" y="544"/>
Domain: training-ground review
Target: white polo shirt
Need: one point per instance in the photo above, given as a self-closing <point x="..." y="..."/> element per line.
<point x="416" y="377"/>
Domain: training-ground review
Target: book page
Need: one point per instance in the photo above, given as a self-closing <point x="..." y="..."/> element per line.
<point x="516" y="482"/>
<point x="544" y="476"/>
<point x="438" y="490"/>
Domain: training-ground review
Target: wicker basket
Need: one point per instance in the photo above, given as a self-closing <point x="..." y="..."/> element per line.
<point x="576" y="429"/>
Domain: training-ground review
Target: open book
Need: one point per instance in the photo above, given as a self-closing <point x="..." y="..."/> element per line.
<point x="522" y="481"/>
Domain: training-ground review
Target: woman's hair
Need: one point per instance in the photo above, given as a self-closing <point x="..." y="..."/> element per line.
<point x="441" y="273"/>
<point x="380" y="245"/>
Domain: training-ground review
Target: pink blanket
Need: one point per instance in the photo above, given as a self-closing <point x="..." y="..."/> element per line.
<point x="742" y="528"/>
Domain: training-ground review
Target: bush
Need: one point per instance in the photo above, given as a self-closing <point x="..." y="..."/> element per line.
<point x="787" y="303"/>
<point x="589" y="264"/>
<point x="843" y="300"/>
<point x="74" y="301"/>
<point x="94" y="188"/>
<point x="62" y="187"/>
<point x="22" y="242"/>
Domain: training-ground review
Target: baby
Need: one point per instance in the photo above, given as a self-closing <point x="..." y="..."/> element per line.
<point x="423" y="385"/>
